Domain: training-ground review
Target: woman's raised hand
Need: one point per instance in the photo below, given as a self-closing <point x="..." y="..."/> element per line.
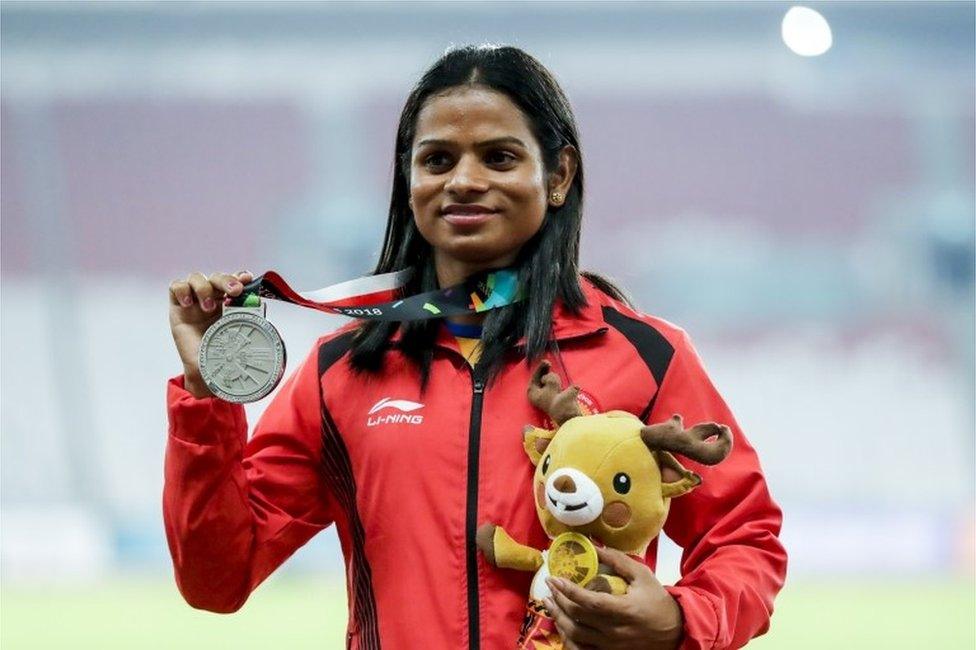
<point x="194" y="305"/>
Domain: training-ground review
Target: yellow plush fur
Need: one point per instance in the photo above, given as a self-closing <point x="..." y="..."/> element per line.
<point x="607" y="476"/>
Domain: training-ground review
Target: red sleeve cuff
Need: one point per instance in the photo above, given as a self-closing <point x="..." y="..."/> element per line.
<point x="700" y="618"/>
<point x="203" y="420"/>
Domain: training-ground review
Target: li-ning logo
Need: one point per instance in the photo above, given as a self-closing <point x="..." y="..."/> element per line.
<point x="374" y="417"/>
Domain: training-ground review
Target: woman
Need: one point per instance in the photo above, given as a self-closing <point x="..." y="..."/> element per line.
<point x="487" y="175"/>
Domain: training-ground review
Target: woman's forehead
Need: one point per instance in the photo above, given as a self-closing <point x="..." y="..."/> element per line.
<point x="471" y="114"/>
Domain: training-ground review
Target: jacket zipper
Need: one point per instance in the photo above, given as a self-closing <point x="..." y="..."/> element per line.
<point x="471" y="515"/>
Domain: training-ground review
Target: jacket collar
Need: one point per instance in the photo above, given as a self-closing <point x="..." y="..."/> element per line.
<point x="565" y="324"/>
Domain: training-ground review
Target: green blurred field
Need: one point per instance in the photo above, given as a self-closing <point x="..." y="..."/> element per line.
<point x="287" y="613"/>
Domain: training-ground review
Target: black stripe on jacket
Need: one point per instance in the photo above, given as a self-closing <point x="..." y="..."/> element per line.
<point x="654" y="350"/>
<point x="338" y="471"/>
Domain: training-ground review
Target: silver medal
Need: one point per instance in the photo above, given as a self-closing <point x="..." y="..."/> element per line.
<point x="242" y="356"/>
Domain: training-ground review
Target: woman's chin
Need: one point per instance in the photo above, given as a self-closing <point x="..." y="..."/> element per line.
<point x="475" y="250"/>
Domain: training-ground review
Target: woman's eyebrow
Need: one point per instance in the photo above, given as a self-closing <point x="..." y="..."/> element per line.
<point x="508" y="139"/>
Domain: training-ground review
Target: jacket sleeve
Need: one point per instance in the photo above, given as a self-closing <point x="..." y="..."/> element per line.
<point x="234" y="509"/>
<point x="732" y="564"/>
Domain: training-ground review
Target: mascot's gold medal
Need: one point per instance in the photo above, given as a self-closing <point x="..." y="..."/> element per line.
<point x="572" y="557"/>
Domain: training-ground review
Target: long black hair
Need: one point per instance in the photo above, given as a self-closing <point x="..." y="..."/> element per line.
<point x="548" y="263"/>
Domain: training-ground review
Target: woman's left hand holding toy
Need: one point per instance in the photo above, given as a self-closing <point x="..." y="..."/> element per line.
<point x="645" y="618"/>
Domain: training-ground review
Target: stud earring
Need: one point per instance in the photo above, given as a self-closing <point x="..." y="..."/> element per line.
<point x="557" y="198"/>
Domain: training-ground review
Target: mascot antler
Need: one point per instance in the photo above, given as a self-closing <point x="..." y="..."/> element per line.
<point x="672" y="436"/>
<point x="545" y="393"/>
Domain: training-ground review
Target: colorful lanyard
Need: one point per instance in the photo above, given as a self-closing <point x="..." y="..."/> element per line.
<point x="375" y="297"/>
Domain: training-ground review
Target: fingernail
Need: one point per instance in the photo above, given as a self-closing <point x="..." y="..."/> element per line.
<point x="186" y="301"/>
<point x="208" y="304"/>
<point x="233" y="285"/>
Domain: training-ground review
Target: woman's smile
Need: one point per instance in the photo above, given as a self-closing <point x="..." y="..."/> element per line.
<point x="467" y="215"/>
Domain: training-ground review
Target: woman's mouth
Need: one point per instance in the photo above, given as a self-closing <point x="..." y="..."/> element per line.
<point x="467" y="215"/>
<point x="468" y="219"/>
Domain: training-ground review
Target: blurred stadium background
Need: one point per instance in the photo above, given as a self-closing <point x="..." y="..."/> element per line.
<point x="810" y="220"/>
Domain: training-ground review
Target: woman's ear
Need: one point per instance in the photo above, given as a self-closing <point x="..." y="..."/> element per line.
<point x="561" y="178"/>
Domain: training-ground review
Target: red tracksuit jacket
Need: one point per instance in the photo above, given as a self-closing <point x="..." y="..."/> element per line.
<point x="407" y="486"/>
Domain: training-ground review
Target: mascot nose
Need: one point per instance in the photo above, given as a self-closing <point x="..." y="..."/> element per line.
<point x="564" y="484"/>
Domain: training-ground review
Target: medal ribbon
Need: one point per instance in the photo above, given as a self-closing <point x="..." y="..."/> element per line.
<point x="375" y="297"/>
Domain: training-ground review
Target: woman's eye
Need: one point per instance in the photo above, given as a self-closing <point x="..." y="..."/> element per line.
<point x="435" y="160"/>
<point x="499" y="158"/>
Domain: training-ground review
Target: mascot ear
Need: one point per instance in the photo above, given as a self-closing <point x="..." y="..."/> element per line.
<point x="535" y="441"/>
<point x="675" y="479"/>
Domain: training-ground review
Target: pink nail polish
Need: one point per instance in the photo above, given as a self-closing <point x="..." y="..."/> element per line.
<point x="208" y="304"/>
<point x="186" y="301"/>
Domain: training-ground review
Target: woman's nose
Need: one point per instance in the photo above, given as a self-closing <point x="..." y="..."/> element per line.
<point x="467" y="176"/>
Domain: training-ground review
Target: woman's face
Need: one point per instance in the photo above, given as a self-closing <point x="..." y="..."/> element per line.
<point x="478" y="188"/>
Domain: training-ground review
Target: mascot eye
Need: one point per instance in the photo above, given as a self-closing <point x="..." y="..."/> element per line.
<point x="545" y="465"/>
<point x="621" y="483"/>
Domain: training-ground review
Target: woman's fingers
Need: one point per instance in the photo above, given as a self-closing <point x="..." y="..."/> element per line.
<point x="225" y="283"/>
<point x="578" y="612"/>
<point x="207" y="291"/>
<point x="623" y="565"/>
<point x="203" y="291"/>
<point x="180" y="294"/>
<point x="576" y="633"/>
<point x="596" y="605"/>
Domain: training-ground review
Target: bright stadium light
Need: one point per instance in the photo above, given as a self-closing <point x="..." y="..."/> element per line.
<point x="806" y="32"/>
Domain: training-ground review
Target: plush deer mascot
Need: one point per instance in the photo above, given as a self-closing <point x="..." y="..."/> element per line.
<point x="607" y="477"/>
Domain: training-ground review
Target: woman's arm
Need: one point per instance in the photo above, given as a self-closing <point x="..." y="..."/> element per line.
<point x="733" y="563"/>
<point x="235" y="509"/>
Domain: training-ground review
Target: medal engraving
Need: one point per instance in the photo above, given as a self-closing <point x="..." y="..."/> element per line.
<point x="573" y="557"/>
<point x="242" y="356"/>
